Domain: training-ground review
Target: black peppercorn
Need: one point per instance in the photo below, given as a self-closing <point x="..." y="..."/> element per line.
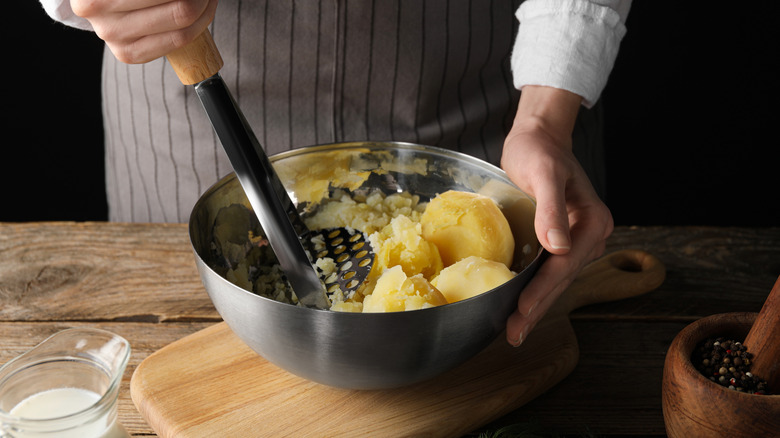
<point x="727" y="363"/>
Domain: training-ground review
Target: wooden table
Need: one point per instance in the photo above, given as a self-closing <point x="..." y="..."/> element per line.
<point x="140" y="281"/>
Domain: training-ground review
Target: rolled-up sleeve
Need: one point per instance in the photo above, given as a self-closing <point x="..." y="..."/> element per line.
<point x="568" y="44"/>
<point x="60" y="10"/>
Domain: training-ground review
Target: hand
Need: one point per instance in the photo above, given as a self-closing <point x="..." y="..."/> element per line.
<point x="571" y="222"/>
<point x="138" y="31"/>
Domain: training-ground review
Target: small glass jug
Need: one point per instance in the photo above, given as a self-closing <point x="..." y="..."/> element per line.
<point x="67" y="386"/>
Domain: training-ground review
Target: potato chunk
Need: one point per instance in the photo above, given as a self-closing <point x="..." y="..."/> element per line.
<point x="395" y="292"/>
<point x="400" y="243"/>
<point x="470" y="277"/>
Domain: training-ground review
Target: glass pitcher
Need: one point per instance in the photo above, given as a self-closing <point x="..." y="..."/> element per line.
<point x="67" y="386"/>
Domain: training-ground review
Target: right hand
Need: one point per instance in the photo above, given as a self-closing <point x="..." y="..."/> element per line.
<point x="139" y="31"/>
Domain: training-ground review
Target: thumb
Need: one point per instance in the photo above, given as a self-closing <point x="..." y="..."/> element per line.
<point x="552" y="221"/>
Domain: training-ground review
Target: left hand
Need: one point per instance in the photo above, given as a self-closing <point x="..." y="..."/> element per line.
<point x="571" y="221"/>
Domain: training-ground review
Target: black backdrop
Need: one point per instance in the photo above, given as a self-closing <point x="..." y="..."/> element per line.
<point x="691" y="117"/>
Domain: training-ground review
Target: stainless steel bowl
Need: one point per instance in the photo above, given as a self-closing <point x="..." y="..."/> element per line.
<point x="372" y="350"/>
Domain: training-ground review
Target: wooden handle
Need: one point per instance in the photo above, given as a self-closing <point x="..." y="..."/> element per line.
<point x="621" y="274"/>
<point x="762" y="340"/>
<point x="197" y="61"/>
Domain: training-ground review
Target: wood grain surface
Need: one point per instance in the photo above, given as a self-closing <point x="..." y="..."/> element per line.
<point x="100" y="271"/>
<point x="139" y="281"/>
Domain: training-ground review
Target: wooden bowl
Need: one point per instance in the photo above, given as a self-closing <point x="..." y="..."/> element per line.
<point x="695" y="406"/>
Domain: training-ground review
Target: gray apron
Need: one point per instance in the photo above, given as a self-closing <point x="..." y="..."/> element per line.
<point x="308" y="72"/>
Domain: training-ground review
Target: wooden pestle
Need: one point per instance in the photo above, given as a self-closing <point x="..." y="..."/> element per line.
<point x="763" y="341"/>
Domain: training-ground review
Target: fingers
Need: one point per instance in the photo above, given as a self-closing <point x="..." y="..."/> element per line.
<point x="589" y="233"/>
<point x="138" y="31"/>
<point x="552" y="278"/>
<point x="149" y="47"/>
<point x="88" y="8"/>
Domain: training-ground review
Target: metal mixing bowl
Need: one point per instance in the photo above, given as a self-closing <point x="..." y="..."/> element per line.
<point x="371" y="350"/>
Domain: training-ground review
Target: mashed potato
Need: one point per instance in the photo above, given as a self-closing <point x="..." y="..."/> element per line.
<point x="455" y="247"/>
<point x="367" y="214"/>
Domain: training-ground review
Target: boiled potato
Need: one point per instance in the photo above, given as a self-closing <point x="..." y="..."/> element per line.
<point x="463" y="224"/>
<point x="469" y="277"/>
<point x="396" y="292"/>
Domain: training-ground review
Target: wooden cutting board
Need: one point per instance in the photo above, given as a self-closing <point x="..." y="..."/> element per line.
<point x="211" y="384"/>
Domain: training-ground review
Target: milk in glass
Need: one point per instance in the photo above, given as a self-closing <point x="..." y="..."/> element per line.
<point x="67" y="386"/>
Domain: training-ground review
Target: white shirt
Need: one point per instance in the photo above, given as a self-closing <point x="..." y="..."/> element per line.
<point x="566" y="44"/>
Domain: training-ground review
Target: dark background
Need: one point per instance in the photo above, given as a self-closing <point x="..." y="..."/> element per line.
<point x="690" y="114"/>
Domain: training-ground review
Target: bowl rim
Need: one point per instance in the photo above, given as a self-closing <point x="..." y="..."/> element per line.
<point x="397" y="145"/>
